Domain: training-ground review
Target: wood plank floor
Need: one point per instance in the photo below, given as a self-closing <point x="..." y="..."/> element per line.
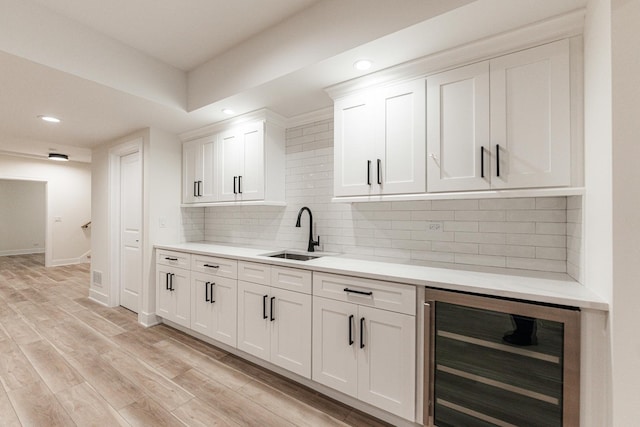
<point x="65" y="361"/>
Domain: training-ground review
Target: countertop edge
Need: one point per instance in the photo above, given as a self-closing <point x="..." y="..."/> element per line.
<point x="500" y="285"/>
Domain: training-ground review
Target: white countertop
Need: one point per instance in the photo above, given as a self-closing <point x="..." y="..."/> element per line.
<point x="561" y="292"/>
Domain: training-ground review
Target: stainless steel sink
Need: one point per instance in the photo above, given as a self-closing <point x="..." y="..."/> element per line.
<point x="293" y="255"/>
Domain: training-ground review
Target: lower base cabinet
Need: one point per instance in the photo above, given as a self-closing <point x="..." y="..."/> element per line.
<point x="174" y="294"/>
<point x="366" y="352"/>
<point x="214" y="307"/>
<point x="275" y="325"/>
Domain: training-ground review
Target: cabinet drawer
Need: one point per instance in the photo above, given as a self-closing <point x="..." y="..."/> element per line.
<point x="254" y="272"/>
<point x="175" y="259"/>
<point x="222" y="267"/>
<point x="374" y="293"/>
<point x="292" y="279"/>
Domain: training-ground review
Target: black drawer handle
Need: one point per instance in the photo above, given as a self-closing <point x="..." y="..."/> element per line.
<point x="362" y="332"/>
<point x="379" y="172"/>
<point x="353" y="291"/>
<point x="351" y="330"/>
<point x="211" y="266"/>
<point x="497" y="159"/>
<point x="171" y="282"/>
<point x="368" y="172"/>
<point x="206" y="292"/>
<point x="264" y="307"/>
<point x="212" y="284"/>
<point x="170" y="258"/>
<point x="166" y="281"/>
<point x="271" y="306"/>
<point x="481" y="162"/>
<point x="234" y="185"/>
<point x="240" y="184"/>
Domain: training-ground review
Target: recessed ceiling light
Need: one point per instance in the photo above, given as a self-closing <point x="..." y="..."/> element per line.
<point x="362" y="64"/>
<point x="228" y="111"/>
<point x="58" y="157"/>
<point x="49" y="119"/>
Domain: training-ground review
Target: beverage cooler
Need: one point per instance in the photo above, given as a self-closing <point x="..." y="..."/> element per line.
<point x="500" y="362"/>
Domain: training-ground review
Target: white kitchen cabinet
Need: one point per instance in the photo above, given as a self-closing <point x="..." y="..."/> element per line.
<point x="199" y="165"/>
<point x="174" y="294"/>
<point x="214" y="307"/>
<point x="500" y="124"/>
<point x="379" y="141"/>
<point x="242" y="163"/>
<point x="274" y="324"/>
<point x="364" y="351"/>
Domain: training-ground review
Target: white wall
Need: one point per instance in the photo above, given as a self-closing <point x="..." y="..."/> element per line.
<point x="596" y="351"/>
<point x="23" y="216"/>
<point x="625" y="18"/>
<point x="68" y="198"/>
<point x="162" y="165"/>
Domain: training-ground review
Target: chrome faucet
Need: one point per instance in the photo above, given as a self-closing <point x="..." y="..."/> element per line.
<point x="312" y="242"/>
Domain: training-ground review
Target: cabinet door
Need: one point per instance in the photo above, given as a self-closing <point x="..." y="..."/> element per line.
<point x="386" y="360"/>
<point x="400" y="159"/>
<point x="251" y="181"/>
<point x="209" y="186"/>
<point x="335" y="359"/>
<point x="530" y="117"/>
<point x="354" y="139"/>
<point x="201" y="307"/>
<point x="181" y="295"/>
<point x="253" y="319"/>
<point x="231" y="151"/>
<point x="290" y="317"/>
<point x="191" y="171"/>
<point x="224" y="300"/>
<point x="458" y="129"/>
<point x="164" y="306"/>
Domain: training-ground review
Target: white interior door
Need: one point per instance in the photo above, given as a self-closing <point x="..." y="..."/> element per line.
<point x="130" y="230"/>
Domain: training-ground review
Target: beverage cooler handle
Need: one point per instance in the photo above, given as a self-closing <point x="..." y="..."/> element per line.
<point x="428" y="404"/>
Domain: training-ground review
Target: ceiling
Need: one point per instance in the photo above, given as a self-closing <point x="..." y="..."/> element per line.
<point x="110" y="68"/>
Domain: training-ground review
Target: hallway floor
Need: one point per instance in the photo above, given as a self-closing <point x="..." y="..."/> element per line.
<point x="65" y="360"/>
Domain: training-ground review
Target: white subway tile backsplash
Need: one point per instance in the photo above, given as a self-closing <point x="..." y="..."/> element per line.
<point x="521" y="233"/>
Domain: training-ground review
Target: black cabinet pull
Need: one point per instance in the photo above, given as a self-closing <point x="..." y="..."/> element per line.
<point x="368" y="172"/>
<point x="351" y="330"/>
<point x="481" y="162"/>
<point x="498" y="159"/>
<point x="271" y="307"/>
<point x="170" y="259"/>
<point x="358" y="292"/>
<point x="264" y="307"/>
<point x="212" y="284"/>
<point x="379" y="172"/>
<point x="234" y="185"/>
<point x="199" y="188"/>
<point x="166" y="281"/>
<point x="211" y="266"/>
<point x="206" y="292"/>
<point x="171" y="282"/>
<point x="362" y="332"/>
<point x="195" y="188"/>
<point x="240" y="184"/>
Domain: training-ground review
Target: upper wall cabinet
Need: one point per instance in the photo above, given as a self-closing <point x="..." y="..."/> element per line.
<point x="379" y="141"/>
<point x="235" y="163"/>
<point x="199" y="168"/>
<point x="503" y="123"/>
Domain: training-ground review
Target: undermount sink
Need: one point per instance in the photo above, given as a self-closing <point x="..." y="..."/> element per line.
<point x="293" y="255"/>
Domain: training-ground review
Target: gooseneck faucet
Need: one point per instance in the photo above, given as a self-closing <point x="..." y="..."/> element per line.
<point x="312" y="242"/>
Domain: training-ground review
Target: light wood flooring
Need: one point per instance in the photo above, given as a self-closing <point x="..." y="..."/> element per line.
<point x="65" y="360"/>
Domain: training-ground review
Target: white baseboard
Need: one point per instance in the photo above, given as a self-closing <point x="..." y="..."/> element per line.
<point x="99" y="297"/>
<point x="148" y="319"/>
<point x="22" y="251"/>
<point x="68" y="261"/>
